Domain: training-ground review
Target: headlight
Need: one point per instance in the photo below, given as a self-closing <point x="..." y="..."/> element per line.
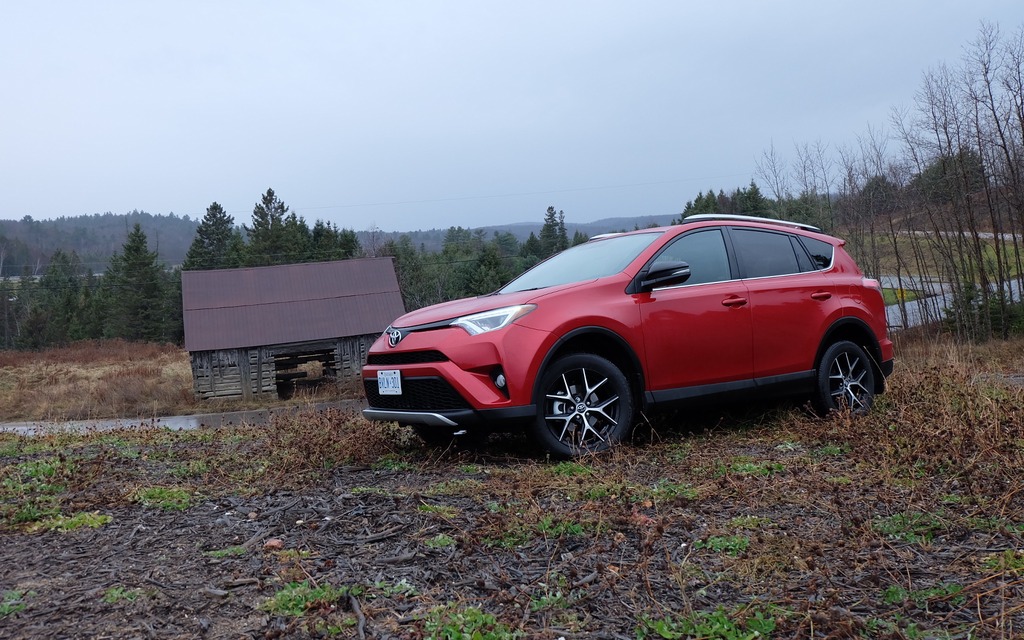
<point x="490" y="320"/>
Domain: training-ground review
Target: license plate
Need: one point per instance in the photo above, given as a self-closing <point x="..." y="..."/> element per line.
<point x="389" y="383"/>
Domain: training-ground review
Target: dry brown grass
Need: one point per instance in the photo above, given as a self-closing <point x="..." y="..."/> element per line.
<point x="111" y="379"/>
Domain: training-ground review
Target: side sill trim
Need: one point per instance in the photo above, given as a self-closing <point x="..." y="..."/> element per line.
<point x="800" y="382"/>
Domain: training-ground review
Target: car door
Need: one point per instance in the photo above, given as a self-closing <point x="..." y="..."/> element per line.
<point x="697" y="334"/>
<point x="791" y="301"/>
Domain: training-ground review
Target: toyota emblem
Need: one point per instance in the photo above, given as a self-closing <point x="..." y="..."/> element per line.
<point x="394" y="337"/>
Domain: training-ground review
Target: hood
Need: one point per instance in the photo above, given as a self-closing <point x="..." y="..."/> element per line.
<point x="466" y="306"/>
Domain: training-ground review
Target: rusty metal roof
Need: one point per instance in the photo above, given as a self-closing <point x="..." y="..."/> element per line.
<point x="258" y="306"/>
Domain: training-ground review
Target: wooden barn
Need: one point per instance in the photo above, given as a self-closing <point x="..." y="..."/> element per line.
<point x="257" y="330"/>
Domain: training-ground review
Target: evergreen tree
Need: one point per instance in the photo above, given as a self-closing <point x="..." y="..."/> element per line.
<point x="268" y="242"/>
<point x="60" y="299"/>
<point x="532" y="248"/>
<point x="135" y="302"/>
<point x="212" y="246"/>
<point x="553" y="236"/>
<point x="488" y="273"/>
<point x="751" y="201"/>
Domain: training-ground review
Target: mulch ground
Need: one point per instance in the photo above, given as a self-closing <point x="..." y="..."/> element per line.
<point x="733" y="524"/>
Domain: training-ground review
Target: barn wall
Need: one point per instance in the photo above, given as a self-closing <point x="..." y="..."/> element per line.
<point x="233" y="373"/>
<point x="350" y="355"/>
<point x="250" y="372"/>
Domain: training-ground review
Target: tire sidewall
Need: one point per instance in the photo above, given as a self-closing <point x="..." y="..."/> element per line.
<point x="823" y="395"/>
<point x="539" y="428"/>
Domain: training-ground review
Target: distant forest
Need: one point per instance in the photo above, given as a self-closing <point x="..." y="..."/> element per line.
<point x="936" y="206"/>
<point x="27" y="245"/>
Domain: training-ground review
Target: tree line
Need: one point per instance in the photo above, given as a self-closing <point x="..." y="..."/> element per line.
<point x="936" y="205"/>
<point x="138" y="297"/>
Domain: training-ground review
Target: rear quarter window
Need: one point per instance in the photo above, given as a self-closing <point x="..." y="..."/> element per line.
<point x="821" y="252"/>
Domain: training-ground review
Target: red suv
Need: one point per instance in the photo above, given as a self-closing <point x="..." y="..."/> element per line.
<point x="577" y="346"/>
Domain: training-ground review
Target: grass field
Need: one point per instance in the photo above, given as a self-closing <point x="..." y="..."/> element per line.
<point x="111" y="379"/>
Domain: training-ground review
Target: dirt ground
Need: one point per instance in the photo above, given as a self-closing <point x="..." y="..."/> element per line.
<point x="719" y="524"/>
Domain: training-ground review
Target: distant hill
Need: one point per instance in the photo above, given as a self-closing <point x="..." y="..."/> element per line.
<point x="433" y="239"/>
<point x="26" y="245"/>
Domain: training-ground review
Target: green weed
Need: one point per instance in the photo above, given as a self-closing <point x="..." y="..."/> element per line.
<point x="462" y="486"/>
<point x="295" y="598"/>
<point x="171" y="498"/>
<point x="191" y="468"/>
<point x="442" y="510"/>
<point x="449" y="623"/>
<point x="510" y="539"/>
<point x="549" y="527"/>
<point x="392" y="463"/>
<point x="1011" y="560"/>
<point x="227" y="553"/>
<point x="730" y="545"/>
<point x="910" y="527"/>
<point x="390" y="589"/>
<point x="750" y="522"/>
<point x="710" y="625"/>
<point x="756" y="468"/>
<point x="114" y="595"/>
<point x="12" y="602"/>
<point x="831" y="451"/>
<point x="896" y="594"/>
<point x="62" y="523"/>
<point x="570" y="469"/>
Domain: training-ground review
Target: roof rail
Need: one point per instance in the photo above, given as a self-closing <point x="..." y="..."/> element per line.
<point x="698" y="217"/>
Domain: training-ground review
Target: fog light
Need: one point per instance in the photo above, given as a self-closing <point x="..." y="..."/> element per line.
<point x="499" y="381"/>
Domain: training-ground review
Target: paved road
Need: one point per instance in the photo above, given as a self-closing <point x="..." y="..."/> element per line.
<point x="175" y="423"/>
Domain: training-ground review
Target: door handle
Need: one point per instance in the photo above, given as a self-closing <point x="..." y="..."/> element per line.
<point x="821" y="295"/>
<point x="734" y="301"/>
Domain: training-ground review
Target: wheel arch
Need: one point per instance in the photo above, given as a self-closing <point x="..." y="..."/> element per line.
<point x="858" y="332"/>
<point x="598" y="341"/>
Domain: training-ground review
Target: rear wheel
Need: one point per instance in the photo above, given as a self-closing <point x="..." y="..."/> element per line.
<point x="846" y="379"/>
<point x="585" y="406"/>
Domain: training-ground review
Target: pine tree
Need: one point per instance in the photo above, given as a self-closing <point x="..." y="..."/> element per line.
<point x="211" y="248"/>
<point x="532" y="248"/>
<point x="136" y="305"/>
<point x="268" y="243"/>
<point x="553" y="236"/>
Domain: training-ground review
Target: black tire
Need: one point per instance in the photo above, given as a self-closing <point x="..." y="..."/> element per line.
<point x="585" y="405"/>
<point x="846" y="380"/>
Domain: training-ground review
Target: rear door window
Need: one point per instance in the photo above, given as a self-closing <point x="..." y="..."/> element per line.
<point x="764" y="253"/>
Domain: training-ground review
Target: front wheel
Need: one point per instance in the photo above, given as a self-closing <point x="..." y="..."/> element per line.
<point x="585" y="406"/>
<point x="846" y="379"/>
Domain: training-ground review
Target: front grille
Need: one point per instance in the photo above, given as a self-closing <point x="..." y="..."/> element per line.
<point x="418" y="394"/>
<point x="406" y="357"/>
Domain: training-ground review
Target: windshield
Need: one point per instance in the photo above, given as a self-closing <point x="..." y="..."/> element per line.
<point x="594" y="259"/>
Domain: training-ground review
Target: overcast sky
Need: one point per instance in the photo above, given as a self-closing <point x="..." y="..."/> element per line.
<point x="414" y="115"/>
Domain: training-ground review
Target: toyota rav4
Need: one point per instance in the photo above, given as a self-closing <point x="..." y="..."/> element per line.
<point x="577" y="346"/>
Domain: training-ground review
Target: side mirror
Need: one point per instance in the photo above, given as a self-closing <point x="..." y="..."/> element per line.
<point x="665" y="274"/>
